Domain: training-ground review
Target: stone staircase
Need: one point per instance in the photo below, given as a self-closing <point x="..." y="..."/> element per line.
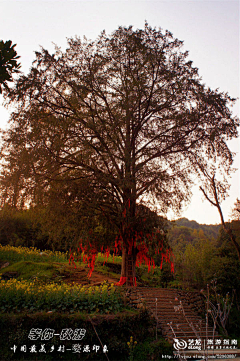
<point x="175" y="312"/>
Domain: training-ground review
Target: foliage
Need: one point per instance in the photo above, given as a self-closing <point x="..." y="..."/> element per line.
<point x="148" y="239"/>
<point x="236" y="211"/>
<point x="31" y="296"/>
<point x="156" y="277"/>
<point x="31" y="270"/>
<point x="226" y="265"/>
<point x="153" y="350"/>
<point x="8" y="63"/>
<point x="218" y="307"/>
<point x="65" y="229"/>
<point x="131" y="344"/>
<point x="23" y="228"/>
<point x="194" y="256"/>
<point x="111" y="259"/>
<point x="16" y="254"/>
<point x="233" y="325"/>
<point x="199" y="258"/>
<point x="30" y="263"/>
<point x="210" y="230"/>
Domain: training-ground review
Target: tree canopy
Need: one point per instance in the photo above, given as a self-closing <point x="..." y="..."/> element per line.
<point x="236" y="211"/>
<point x="125" y="119"/>
<point x="8" y="63"/>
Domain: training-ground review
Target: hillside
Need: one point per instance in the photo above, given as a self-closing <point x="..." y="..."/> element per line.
<point x="210" y="230"/>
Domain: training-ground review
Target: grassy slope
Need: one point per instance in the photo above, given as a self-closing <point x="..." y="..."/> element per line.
<point x="35" y="270"/>
<point x="47" y="270"/>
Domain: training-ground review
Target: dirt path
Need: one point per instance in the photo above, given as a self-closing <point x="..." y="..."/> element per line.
<point x="70" y="274"/>
<point x="80" y="275"/>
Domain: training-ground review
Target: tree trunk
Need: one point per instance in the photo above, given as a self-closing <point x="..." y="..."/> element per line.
<point x="128" y="272"/>
<point x="229" y="231"/>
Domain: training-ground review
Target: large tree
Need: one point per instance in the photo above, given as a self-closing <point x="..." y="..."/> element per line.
<point x="124" y="118"/>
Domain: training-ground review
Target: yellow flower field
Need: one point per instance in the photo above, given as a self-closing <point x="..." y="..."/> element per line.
<point x="12" y="253"/>
<point x="34" y="295"/>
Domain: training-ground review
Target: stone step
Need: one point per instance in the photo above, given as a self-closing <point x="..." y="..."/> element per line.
<point x="170" y="307"/>
<point x="170" y="310"/>
<point x="171" y="302"/>
<point x="186" y="328"/>
<point x="172" y="313"/>
<point x="166" y="320"/>
<point x="166" y="306"/>
<point x="188" y="332"/>
<point x="168" y="297"/>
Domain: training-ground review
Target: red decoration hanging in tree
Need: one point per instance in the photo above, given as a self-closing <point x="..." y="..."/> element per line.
<point x="137" y="242"/>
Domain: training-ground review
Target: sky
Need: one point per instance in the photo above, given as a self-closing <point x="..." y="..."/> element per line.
<point x="209" y="29"/>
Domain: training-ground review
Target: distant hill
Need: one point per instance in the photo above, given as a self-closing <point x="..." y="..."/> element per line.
<point x="211" y="230"/>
